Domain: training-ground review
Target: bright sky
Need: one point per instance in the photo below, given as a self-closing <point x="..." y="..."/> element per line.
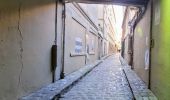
<point x="119" y="19"/>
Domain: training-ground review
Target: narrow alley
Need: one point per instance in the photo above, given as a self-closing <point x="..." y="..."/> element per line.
<point x="105" y="82"/>
<point x="84" y="50"/>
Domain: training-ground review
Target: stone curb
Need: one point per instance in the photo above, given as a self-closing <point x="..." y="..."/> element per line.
<point x="105" y="57"/>
<point x="53" y="90"/>
<point x="139" y="88"/>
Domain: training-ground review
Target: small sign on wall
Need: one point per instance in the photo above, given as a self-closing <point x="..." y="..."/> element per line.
<point x="147" y="59"/>
<point x="147" y="41"/>
<point x="78" y="45"/>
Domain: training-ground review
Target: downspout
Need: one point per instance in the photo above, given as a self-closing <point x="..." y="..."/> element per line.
<point x="63" y="38"/>
<point x="54" y="47"/>
<point x="56" y="14"/>
<point x="151" y="42"/>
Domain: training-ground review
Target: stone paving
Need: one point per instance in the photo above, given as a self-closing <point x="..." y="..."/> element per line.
<point x="139" y="88"/>
<point x="105" y="82"/>
<point x="52" y="91"/>
<point x="108" y="81"/>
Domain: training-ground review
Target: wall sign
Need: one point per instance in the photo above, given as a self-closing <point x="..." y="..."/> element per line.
<point x="78" y="45"/>
<point x="147" y="41"/>
<point x="147" y="59"/>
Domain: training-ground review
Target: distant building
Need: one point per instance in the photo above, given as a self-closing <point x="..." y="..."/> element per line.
<point x="107" y="21"/>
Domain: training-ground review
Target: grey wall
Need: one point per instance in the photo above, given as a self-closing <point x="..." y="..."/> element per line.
<point x="126" y="32"/>
<point x="92" y="54"/>
<point x="78" y="26"/>
<point x="126" y="49"/>
<point x="26" y="35"/>
<point x="74" y="62"/>
<point x="141" y="45"/>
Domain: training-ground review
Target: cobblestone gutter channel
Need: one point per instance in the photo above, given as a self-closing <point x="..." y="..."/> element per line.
<point x="138" y="87"/>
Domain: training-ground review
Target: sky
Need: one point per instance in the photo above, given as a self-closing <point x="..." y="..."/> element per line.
<point x="119" y="18"/>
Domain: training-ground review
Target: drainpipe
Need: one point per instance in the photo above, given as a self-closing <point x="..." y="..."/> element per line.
<point x="54" y="48"/>
<point x="56" y="13"/>
<point x="63" y="38"/>
<point x="151" y="46"/>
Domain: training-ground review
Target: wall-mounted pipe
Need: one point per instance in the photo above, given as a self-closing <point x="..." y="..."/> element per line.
<point x="149" y="79"/>
<point x="53" y="61"/>
<point x="54" y="47"/>
<point x="63" y="38"/>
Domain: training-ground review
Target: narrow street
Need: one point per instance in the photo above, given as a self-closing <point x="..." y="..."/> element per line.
<point x="105" y="82"/>
<point x="84" y="50"/>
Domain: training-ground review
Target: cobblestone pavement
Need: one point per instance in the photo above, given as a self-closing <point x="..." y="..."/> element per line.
<point x="105" y="82"/>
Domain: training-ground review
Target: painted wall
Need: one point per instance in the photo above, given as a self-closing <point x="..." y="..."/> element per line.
<point x="92" y="11"/>
<point x="125" y="36"/>
<point x="27" y="31"/>
<point x="74" y="45"/>
<point x="59" y="29"/>
<point x="160" y="54"/>
<point x="92" y="42"/>
<point x="80" y="37"/>
<point x="142" y="46"/>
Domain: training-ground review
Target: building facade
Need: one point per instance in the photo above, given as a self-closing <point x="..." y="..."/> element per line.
<point x="146" y="45"/>
<point x="137" y="41"/>
<point x="81" y="36"/>
<point x="94" y="35"/>
<point x="107" y="22"/>
<point x="41" y="41"/>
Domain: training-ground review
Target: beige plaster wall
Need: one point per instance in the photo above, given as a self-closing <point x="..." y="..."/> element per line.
<point x="27" y="30"/>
